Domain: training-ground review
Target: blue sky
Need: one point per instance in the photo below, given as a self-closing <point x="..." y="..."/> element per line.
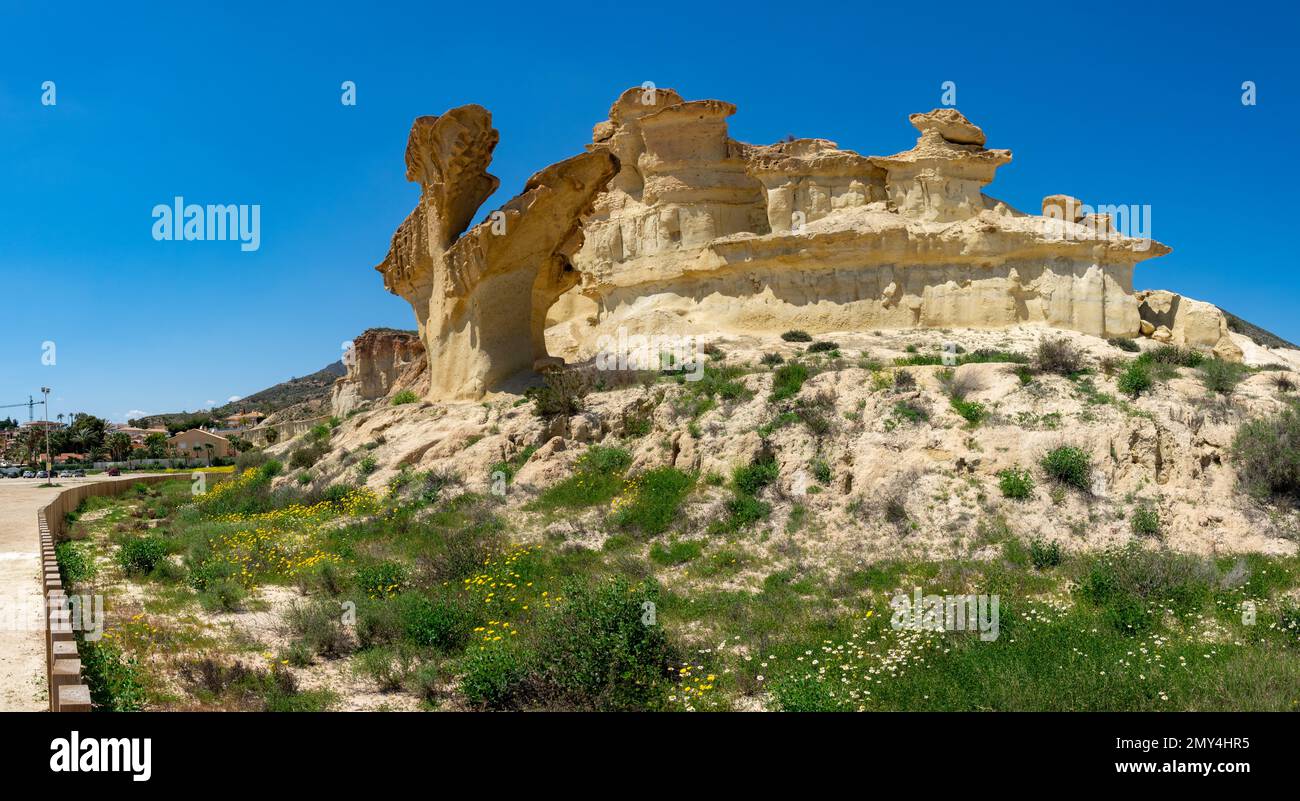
<point x="242" y="105"/>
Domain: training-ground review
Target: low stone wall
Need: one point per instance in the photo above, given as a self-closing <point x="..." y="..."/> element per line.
<point x="68" y="693"/>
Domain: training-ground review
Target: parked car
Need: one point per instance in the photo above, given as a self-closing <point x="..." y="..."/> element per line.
<point x="78" y="473"/>
<point x="28" y="474"/>
<point x="113" y="471"/>
<point x="42" y="474"/>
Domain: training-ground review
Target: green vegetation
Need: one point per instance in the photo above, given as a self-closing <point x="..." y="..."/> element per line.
<point x="981" y="356"/>
<point x="971" y="411"/>
<point x="677" y="552"/>
<point x="1145" y="522"/>
<point x="796" y="336"/>
<point x="597" y="478"/>
<point x="1044" y="554"/>
<point x="1137" y="633"/>
<point x="787" y="380"/>
<point x="1135" y="379"/>
<point x="651" y="500"/>
<point x="1058" y="356"/>
<point x="1015" y="483"/>
<point x="1221" y="376"/>
<point x="1069" y="465"/>
<point x="910" y="413"/>
<point x="1125" y="344"/>
<point x="1266" y="453"/>
<point x="140" y="555"/>
<point x="404" y="397"/>
<point x="562" y="393"/>
<point x="744" y="509"/>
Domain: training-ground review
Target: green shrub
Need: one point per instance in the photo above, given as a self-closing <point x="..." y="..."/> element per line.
<point x="796" y="336"/>
<point x="437" y="622"/>
<point x="381" y="578"/>
<point x="678" y="552"/>
<point x="426" y="682"/>
<point x="787" y="380"/>
<point x="1069" y="465"/>
<point x="113" y="678"/>
<point x="141" y="555"/>
<point x="771" y="359"/>
<point x="1058" y="356"/>
<point x="1266" y="452"/>
<point x="249" y="460"/>
<point x="743" y="511"/>
<point x="821" y="471"/>
<point x="562" y="393"/>
<point x="1044" y="554"/>
<point x="367" y="466"/>
<point x="404" y="397"/>
<point x="389" y="668"/>
<point x="76" y="562"/>
<point x="307" y="456"/>
<point x="495" y="676"/>
<point x="1015" y="483"/>
<point x="223" y="595"/>
<point x="1135" y="379"/>
<point x="602" y="649"/>
<point x="319" y="624"/>
<point x="1125" y="344"/>
<point x="910" y="412"/>
<point x="1173" y="355"/>
<point x="822" y="346"/>
<point x="904" y="380"/>
<point x="1220" y="376"/>
<point x="971" y="411"/>
<point x="1132" y="583"/>
<point x="1145" y="521"/>
<point x="752" y="478"/>
<point x="655" y="498"/>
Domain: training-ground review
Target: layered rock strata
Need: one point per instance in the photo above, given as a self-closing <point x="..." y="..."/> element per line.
<point x="667" y="225"/>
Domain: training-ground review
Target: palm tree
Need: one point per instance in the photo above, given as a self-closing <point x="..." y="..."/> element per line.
<point x="119" y="445"/>
<point x="207" y="446"/>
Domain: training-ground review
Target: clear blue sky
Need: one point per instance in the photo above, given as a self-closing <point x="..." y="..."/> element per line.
<point x="241" y="105"/>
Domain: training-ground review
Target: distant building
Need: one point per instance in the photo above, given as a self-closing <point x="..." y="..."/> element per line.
<point x="244" y="419"/>
<point x="138" y="435"/>
<point x="186" y="441"/>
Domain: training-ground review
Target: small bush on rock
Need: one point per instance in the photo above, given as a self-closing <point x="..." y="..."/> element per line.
<point x="1069" y="465"/>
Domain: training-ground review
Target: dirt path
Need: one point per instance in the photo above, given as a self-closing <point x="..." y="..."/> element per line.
<point x="22" y="644"/>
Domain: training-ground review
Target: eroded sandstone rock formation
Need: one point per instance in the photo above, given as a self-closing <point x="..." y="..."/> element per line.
<point x="667" y="225"/>
<point x="380" y="363"/>
<point x="480" y="297"/>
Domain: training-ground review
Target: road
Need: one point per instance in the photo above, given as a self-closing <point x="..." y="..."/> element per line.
<point x="22" y="643"/>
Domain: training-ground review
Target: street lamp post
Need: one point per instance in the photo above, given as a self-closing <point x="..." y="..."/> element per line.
<point x="49" y="457"/>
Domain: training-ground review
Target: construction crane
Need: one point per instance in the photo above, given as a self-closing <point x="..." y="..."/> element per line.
<point x="30" y="404"/>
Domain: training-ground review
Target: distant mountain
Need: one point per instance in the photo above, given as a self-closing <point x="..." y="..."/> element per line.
<point x="312" y="390"/>
<point x="1261" y="336"/>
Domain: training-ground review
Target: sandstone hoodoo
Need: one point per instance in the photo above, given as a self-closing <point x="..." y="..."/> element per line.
<point x="668" y="225"/>
<point x="380" y="363"/>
